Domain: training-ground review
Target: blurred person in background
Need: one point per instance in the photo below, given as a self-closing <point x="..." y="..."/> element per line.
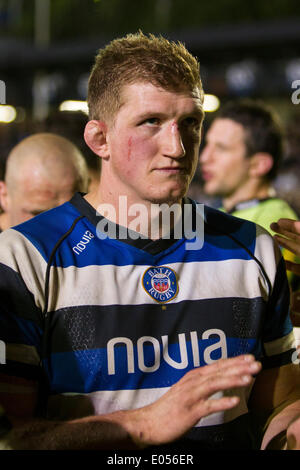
<point x="240" y="161"/>
<point x="42" y="171"/>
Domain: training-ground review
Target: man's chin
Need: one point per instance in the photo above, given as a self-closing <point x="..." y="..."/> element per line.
<point x="168" y="197"/>
<point x="210" y="190"/>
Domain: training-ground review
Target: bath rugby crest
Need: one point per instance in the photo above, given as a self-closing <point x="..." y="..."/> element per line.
<point x="160" y="283"/>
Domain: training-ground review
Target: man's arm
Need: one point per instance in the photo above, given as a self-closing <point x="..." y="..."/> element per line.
<point x="275" y="396"/>
<point x="276" y="392"/>
<point x="161" y="422"/>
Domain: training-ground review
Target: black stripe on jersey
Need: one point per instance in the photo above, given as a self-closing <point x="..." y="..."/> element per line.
<point x="15" y="297"/>
<point x="88" y="327"/>
<point x="16" y="369"/>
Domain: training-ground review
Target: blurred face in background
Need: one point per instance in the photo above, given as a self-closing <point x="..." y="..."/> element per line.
<point x="224" y="163"/>
<point x="34" y="190"/>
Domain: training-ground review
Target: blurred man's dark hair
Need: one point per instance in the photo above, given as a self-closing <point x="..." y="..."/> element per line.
<point x="263" y="130"/>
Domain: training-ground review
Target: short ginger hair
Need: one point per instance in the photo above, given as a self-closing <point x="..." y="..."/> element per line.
<point x="139" y="58"/>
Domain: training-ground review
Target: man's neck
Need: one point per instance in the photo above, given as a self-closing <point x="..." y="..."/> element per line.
<point x="152" y="220"/>
<point x="262" y="191"/>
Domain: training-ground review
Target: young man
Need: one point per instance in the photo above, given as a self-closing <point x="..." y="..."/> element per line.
<point x="142" y="336"/>
<point x="240" y="160"/>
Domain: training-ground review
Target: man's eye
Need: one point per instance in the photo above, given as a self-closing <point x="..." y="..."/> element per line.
<point x="191" y="122"/>
<point x="221" y="147"/>
<point x="151" y="121"/>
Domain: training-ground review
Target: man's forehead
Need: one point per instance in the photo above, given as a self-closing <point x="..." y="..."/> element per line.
<point x="145" y="90"/>
<point x="226" y="129"/>
<point x="41" y="185"/>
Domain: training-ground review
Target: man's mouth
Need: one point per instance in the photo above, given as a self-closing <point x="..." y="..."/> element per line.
<point x="206" y="175"/>
<point x="172" y="170"/>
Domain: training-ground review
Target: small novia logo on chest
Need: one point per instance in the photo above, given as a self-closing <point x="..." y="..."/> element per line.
<point x="81" y="245"/>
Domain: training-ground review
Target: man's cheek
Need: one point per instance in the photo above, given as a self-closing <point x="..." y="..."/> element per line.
<point x="129" y="148"/>
<point x="140" y="147"/>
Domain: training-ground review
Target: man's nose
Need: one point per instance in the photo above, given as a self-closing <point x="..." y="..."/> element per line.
<point x="173" y="143"/>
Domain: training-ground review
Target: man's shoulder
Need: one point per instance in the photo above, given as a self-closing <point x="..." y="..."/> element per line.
<point x="265" y="212"/>
<point x="270" y="207"/>
<point x="226" y="222"/>
<point x="41" y="232"/>
<point x="282" y="206"/>
<point x="242" y="231"/>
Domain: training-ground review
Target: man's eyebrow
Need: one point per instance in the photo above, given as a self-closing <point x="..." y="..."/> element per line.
<point x="197" y="112"/>
<point x="149" y="113"/>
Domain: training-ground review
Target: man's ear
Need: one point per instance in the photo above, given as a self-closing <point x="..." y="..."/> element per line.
<point x="95" y="137"/>
<point x="261" y="164"/>
<point x="3" y="196"/>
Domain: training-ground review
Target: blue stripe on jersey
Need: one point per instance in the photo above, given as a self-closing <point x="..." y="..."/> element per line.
<point x="44" y="230"/>
<point x="80" y="249"/>
<point x="87" y="371"/>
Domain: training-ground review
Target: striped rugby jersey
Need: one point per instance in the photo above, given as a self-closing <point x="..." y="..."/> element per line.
<point x="114" y="323"/>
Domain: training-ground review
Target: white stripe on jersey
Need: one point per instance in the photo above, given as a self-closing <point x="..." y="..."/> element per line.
<point x="72" y="405"/>
<point x="21" y="256"/>
<point x="281" y="344"/>
<point x="72" y="286"/>
<point x="122" y="285"/>
<point x="265" y="249"/>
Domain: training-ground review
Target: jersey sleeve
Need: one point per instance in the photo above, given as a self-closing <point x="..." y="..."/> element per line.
<point x="20" y="322"/>
<point x="277" y="335"/>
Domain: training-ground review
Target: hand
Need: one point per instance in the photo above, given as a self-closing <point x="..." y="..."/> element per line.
<point x="189" y="400"/>
<point x="290" y="229"/>
<point x="289" y="238"/>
